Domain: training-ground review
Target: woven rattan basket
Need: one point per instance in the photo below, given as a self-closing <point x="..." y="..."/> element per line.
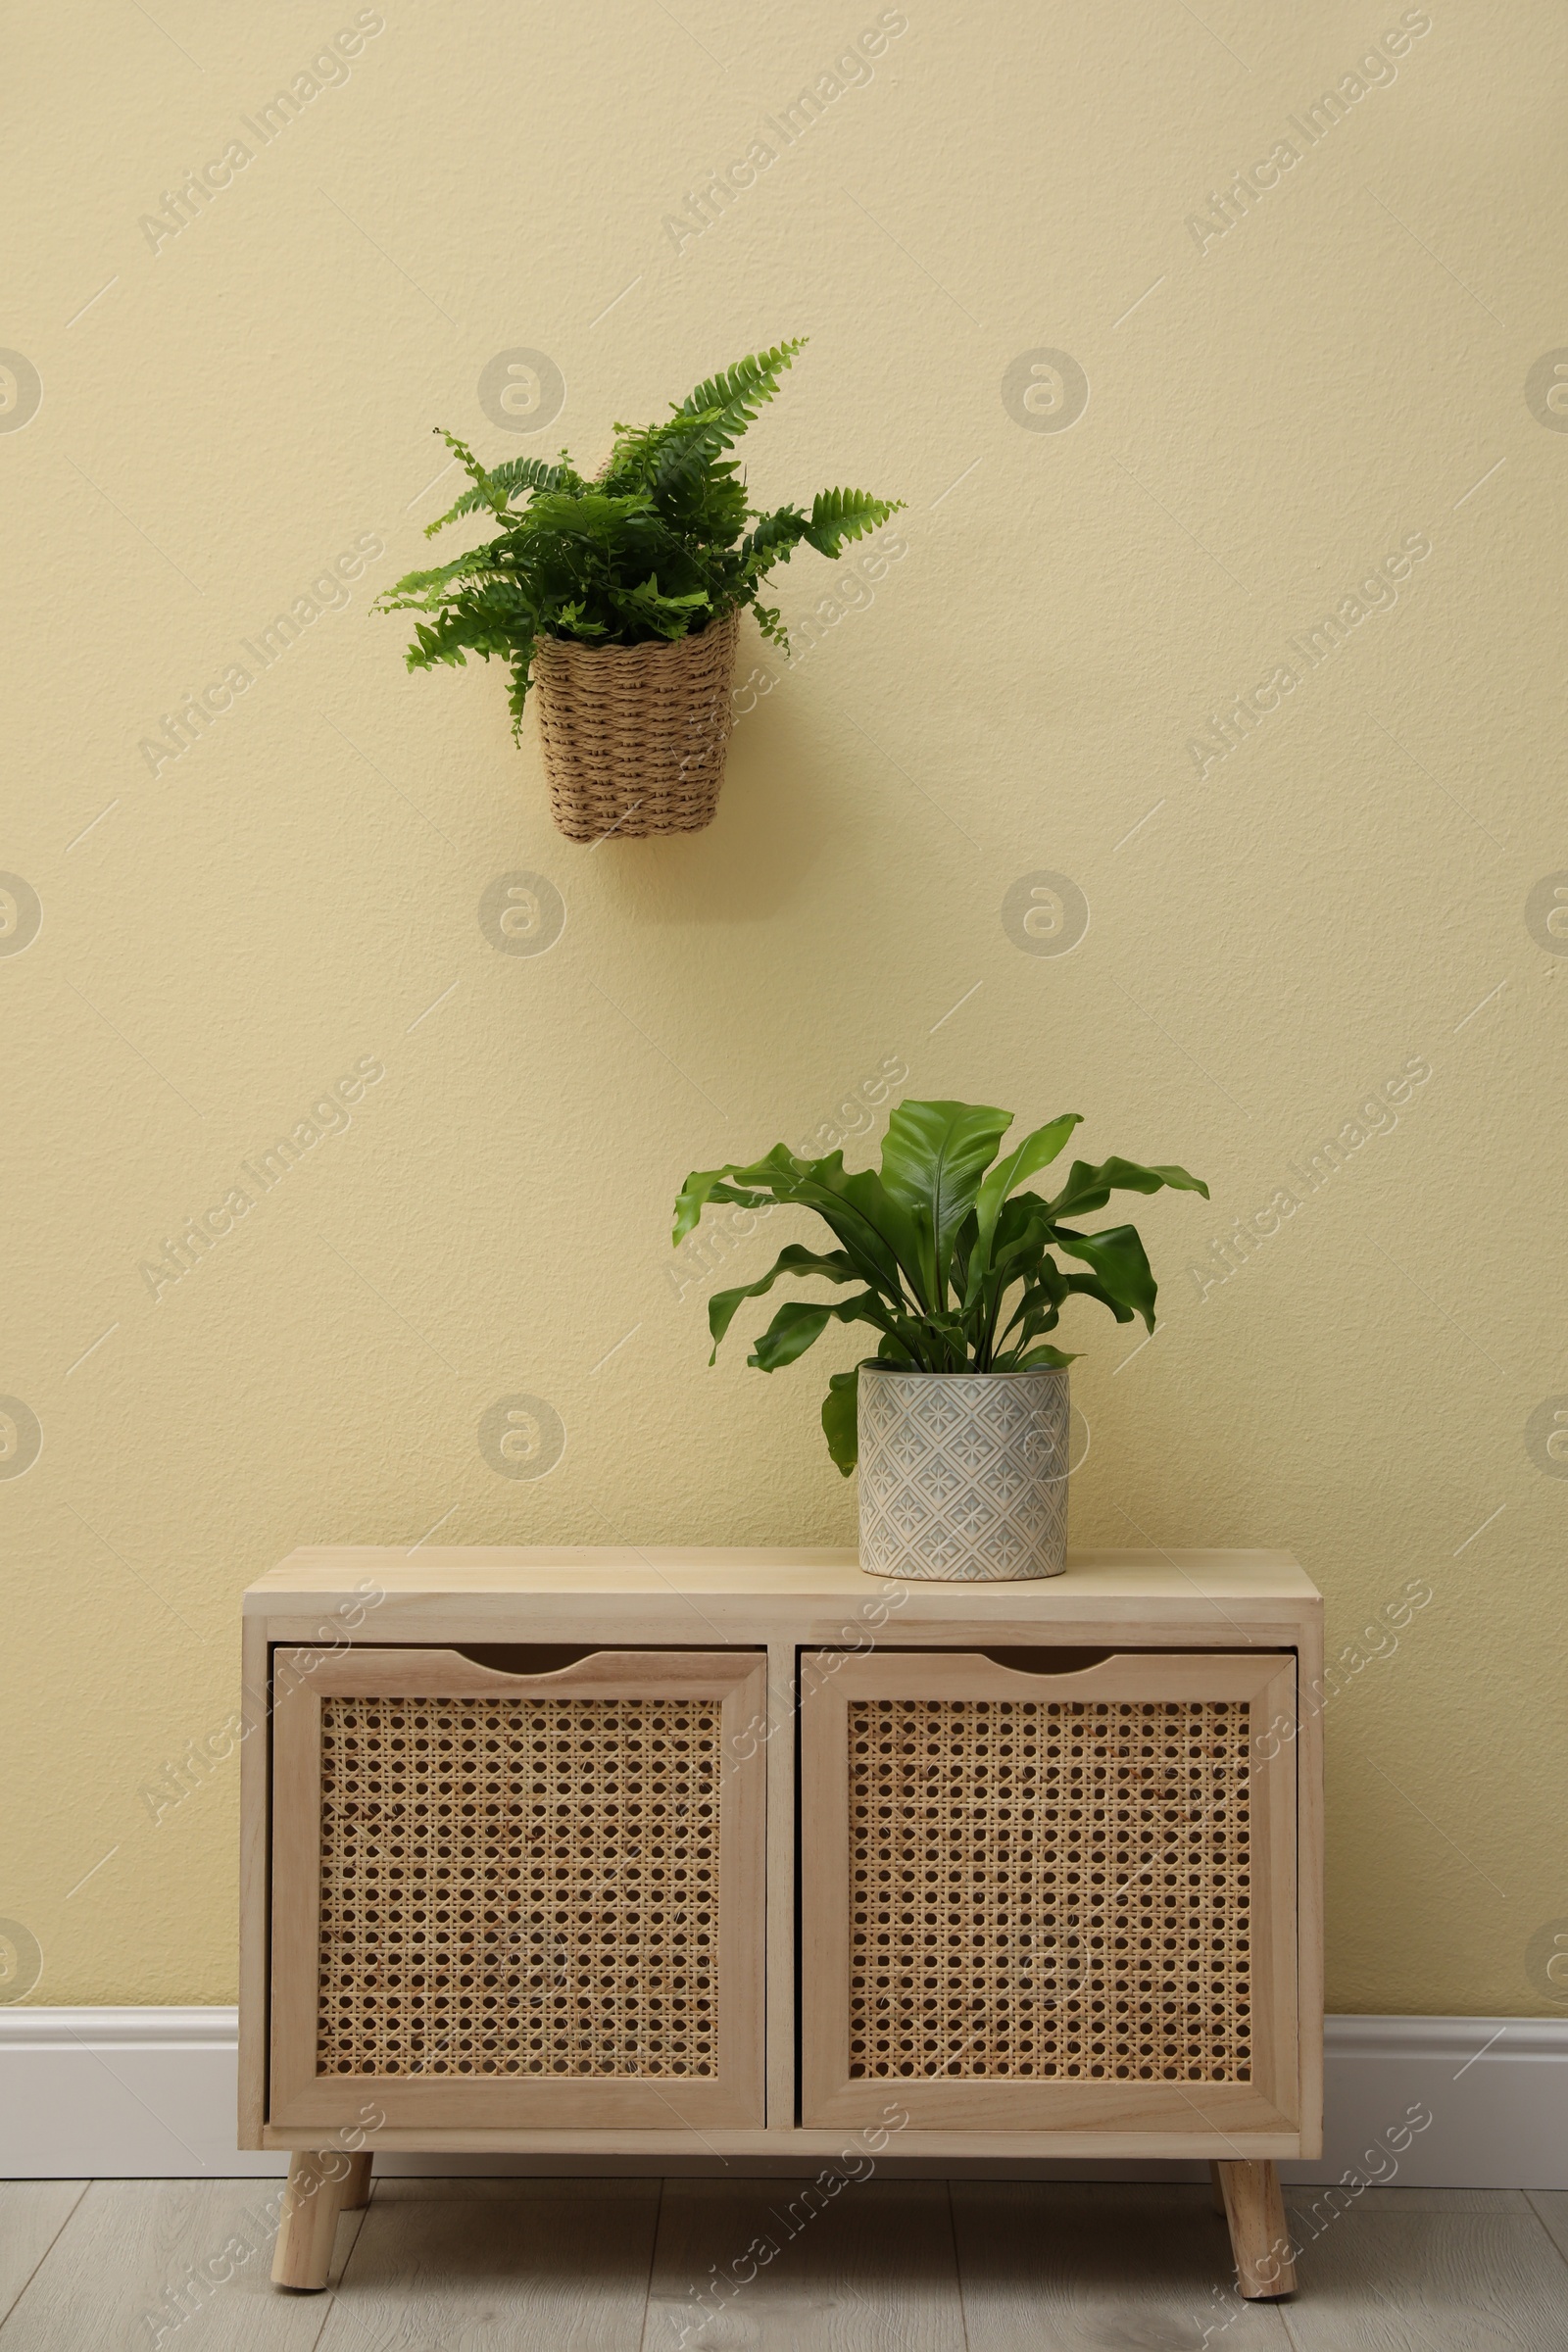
<point x="634" y="736"/>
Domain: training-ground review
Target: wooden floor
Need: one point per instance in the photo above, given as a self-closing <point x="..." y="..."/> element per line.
<point x="629" y="2265"/>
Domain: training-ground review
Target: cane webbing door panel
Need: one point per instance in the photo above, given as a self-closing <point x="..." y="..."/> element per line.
<point x="517" y="1900"/>
<point x="1049" y="1901"/>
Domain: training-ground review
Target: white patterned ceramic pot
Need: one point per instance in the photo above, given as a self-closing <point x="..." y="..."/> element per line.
<point x="963" y="1475"/>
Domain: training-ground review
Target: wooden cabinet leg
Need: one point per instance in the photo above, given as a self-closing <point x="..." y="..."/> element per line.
<point x="1216" y="2191"/>
<point x="1260" y="2240"/>
<point x="321" y="2187"/>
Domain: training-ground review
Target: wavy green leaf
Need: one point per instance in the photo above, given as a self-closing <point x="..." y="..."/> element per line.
<point x="1116" y="1258"/>
<point x="802" y="1323"/>
<point x="1089" y="1188"/>
<point x="835" y="1266"/>
<point x="950" y="1257"/>
<point x="703" y="1185"/>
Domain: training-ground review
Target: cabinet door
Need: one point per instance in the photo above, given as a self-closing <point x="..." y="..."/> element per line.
<point x="1049" y="1901"/>
<point x="517" y="1901"/>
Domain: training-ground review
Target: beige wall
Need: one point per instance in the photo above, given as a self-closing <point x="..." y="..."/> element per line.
<point x="1337" y="902"/>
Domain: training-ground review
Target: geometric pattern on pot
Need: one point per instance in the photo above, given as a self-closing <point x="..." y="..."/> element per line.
<point x="963" y="1475"/>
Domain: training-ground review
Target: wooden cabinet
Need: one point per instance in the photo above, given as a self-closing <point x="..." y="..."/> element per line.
<point x="744" y="1853"/>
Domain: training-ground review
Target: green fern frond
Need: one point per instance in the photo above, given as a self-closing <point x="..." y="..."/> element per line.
<point x="774" y="540"/>
<point x="661" y="543"/>
<point x="488" y="623"/>
<point x="839" y="516"/>
<point x="755" y="378"/>
<point x="472" y="468"/>
<point x="518" y="474"/>
<point x="719" y="410"/>
<point x="637" y="446"/>
<point x="668" y="616"/>
<point x="423" y="589"/>
<point x="573" y="619"/>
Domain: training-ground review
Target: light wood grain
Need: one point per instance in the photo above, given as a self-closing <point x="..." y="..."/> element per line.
<point x="836" y="2264"/>
<point x="346" y="1570"/>
<point x="147" y="2263"/>
<point x="322" y="2188"/>
<point x="740" y="1621"/>
<point x="1309" y="1844"/>
<point x="1300" y="2197"/>
<point x="778" y="1731"/>
<point x="561" y="2266"/>
<point x="1129" y="2268"/>
<point x="893" y="1673"/>
<point x="364" y="1672"/>
<point x="1095" y="2140"/>
<point x="295" y="1871"/>
<point x="1204" y="1599"/>
<point x="1122" y="2266"/>
<point x="32" y="2214"/>
<point x="1551" y="2206"/>
<point x="254" y="1892"/>
<point x="1260" y="2237"/>
<point x="1408" y="2278"/>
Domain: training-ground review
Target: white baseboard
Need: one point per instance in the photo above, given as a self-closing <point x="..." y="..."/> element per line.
<point x="150" y="2093"/>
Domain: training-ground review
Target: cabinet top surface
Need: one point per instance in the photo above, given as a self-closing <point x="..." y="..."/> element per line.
<point x="1175" y="1578"/>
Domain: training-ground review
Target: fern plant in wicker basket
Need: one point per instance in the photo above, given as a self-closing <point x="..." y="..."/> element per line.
<point x="959" y="1421"/>
<point x="616" y="600"/>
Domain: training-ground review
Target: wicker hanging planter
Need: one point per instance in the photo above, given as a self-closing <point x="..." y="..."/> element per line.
<point x="635" y="725"/>
<point x="634" y="736"/>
